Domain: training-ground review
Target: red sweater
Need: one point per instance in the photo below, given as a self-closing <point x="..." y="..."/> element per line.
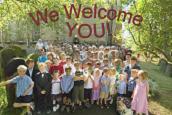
<point x="56" y="67"/>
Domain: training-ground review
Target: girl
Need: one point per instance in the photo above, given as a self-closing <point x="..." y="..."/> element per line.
<point x="112" y="77"/>
<point x="56" y="90"/>
<point x="104" y="90"/>
<point x="139" y="103"/>
<point x="96" y="86"/>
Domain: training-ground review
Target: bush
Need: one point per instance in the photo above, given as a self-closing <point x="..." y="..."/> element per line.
<point x="18" y="51"/>
<point x="33" y="56"/>
<point x="6" y="55"/>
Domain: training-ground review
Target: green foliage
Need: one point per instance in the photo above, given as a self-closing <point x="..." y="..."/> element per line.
<point x="154" y="34"/>
<point x="33" y="56"/>
<point x="19" y="52"/>
<point x="6" y="55"/>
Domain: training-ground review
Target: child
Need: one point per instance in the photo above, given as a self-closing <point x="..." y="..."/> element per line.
<point x="88" y="85"/>
<point x="56" y="91"/>
<point x="67" y="84"/>
<point x="104" y="89"/>
<point x="78" y="90"/>
<point x="139" y="103"/>
<point x="121" y="86"/>
<point x="96" y="86"/>
<point x="132" y="82"/>
<point x="24" y="87"/>
<point x="43" y="90"/>
<point x="112" y="77"/>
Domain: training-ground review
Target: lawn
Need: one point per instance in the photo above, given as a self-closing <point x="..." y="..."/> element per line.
<point x="162" y="105"/>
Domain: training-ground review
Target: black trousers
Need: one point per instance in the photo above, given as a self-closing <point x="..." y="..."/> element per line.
<point x="43" y="102"/>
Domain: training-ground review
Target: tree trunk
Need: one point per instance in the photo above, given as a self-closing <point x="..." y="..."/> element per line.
<point x="163" y="65"/>
<point x="10" y="92"/>
<point x="168" y="70"/>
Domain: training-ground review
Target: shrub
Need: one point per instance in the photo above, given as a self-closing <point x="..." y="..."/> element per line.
<point x="18" y="51"/>
<point x="6" y="55"/>
<point x="33" y="56"/>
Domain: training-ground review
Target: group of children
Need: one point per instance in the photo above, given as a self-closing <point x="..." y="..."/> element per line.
<point x="62" y="83"/>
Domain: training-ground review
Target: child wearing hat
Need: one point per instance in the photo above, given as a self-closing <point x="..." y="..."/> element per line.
<point x="67" y="84"/>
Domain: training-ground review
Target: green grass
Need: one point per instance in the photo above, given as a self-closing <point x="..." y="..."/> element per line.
<point x="164" y="82"/>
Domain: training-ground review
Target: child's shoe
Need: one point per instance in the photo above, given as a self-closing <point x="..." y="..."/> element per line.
<point x="54" y="109"/>
<point x="57" y="106"/>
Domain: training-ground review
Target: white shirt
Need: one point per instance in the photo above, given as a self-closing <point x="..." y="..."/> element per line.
<point x="56" y="89"/>
<point x="88" y="83"/>
<point x="30" y="72"/>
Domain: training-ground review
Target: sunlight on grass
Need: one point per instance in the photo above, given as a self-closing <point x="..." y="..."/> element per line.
<point x="163" y="105"/>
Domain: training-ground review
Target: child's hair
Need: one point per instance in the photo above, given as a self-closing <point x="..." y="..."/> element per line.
<point x="118" y="61"/>
<point x="68" y="68"/>
<point x="122" y="76"/>
<point x="41" y="65"/>
<point x="112" y="71"/>
<point x="55" y="71"/>
<point x="105" y="70"/>
<point x="134" y="71"/>
<point x="143" y="74"/>
<point x="28" y="61"/>
<point x="134" y="58"/>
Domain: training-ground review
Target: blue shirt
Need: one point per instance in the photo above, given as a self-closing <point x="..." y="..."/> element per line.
<point x="67" y="83"/>
<point x="121" y="87"/>
<point x="22" y="84"/>
<point x="42" y="58"/>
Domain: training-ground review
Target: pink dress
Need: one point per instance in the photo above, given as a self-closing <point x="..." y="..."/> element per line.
<point x="96" y="88"/>
<point x="139" y="102"/>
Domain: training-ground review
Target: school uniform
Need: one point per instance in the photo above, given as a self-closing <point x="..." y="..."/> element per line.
<point x="43" y="82"/>
<point x="22" y="84"/>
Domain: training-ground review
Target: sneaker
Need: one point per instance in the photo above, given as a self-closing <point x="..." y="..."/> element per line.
<point x="54" y="109"/>
<point x="58" y="106"/>
<point x="107" y="106"/>
<point x="68" y="109"/>
<point x="62" y="108"/>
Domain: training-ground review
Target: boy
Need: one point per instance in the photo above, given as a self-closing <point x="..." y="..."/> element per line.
<point x="78" y="90"/>
<point x="88" y="85"/>
<point x="67" y="84"/>
<point x="56" y="90"/>
<point x="132" y="82"/>
<point x="24" y="87"/>
<point x="43" y="90"/>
